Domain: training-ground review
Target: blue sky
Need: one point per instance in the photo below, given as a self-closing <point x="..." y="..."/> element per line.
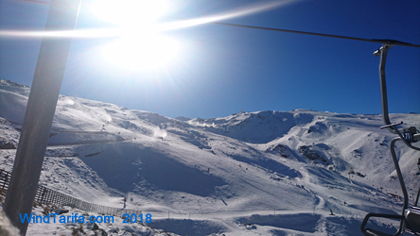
<point x="219" y="70"/>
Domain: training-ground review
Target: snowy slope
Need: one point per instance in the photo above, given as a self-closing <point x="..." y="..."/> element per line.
<point x="257" y="173"/>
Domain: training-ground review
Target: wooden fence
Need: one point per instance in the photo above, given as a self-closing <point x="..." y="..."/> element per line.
<point x="48" y="196"/>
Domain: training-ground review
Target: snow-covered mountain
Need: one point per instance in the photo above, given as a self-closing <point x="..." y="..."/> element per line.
<point x="251" y="173"/>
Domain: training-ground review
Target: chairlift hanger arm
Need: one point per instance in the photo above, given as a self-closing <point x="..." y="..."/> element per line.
<point x="409" y="215"/>
<point x="383" y="52"/>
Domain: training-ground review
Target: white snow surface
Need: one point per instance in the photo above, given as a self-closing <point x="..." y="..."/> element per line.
<point x="251" y="173"/>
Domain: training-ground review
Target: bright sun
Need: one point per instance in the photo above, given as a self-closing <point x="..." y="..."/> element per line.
<point x="139" y="46"/>
<point x="141" y="52"/>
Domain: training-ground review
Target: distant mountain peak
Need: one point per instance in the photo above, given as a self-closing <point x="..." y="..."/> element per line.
<point x="182" y="118"/>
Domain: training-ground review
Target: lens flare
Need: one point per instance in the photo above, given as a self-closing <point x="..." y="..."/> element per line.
<point x="138" y="25"/>
<point x="130" y="13"/>
<point x="136" y="39"/>
<point x="252" y="9"/>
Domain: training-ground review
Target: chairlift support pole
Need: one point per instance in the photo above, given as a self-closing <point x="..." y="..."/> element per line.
<point x="39" y="114"/>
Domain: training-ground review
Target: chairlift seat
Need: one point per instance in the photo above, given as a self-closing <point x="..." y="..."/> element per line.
<point x="412" y="219"/>
<point x="372" y="232"/>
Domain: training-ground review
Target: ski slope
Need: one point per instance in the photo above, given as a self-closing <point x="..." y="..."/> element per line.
<point x="250" y="173"/>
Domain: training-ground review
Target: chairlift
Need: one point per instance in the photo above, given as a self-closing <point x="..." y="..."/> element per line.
<point x="410" y="216"/>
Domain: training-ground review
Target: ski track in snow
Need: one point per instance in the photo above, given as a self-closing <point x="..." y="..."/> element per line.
<point x="251" y="173"/>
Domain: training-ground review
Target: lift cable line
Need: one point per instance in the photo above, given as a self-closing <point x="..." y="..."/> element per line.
<point x="386" y="41"/>
<point x="382" y="41"/>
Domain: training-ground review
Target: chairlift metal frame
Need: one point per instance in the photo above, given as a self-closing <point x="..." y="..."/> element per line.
<point x="410" y="216"/>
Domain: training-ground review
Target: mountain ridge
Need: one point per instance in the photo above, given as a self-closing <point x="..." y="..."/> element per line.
<point x="300" y="160"/>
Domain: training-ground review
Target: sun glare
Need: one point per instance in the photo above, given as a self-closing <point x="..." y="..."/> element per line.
<point x="142" y="52"/>
<point x="137" y="36"/>
<point x="131" y="13"/>
<point x="140" y="47"/>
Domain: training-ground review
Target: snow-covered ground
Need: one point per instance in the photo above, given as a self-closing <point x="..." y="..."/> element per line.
<point x="251" y="173"/>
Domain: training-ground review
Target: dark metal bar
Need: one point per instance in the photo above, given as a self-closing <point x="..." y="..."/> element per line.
<point x="383" y="52"/>
<point x="399" y="174"/>
<point x="40" y="112"/>
<point x="368" y="232"/>
<point x="394" y="124"/>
